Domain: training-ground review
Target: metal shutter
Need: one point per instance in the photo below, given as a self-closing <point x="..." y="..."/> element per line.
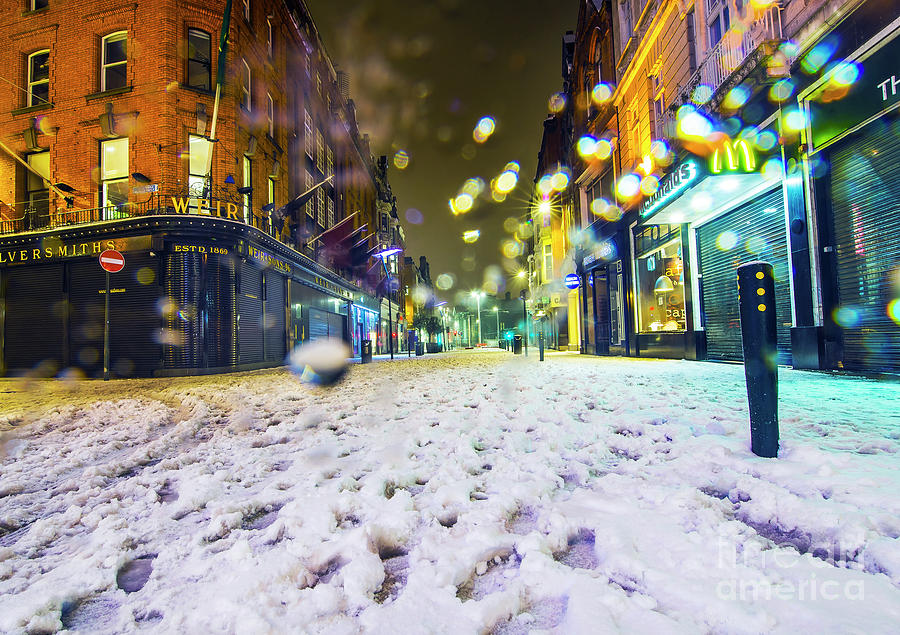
<point x="758" y="234"/>
<point x="318" y="324"/>
<point x="134" y="320"/>
<point x="35" y="308"/>
<point x="275" y="317"/>
<point x="221" y="305"/>
<point x="865" y="181"/>
<point x="250" y="308"/>
<point x="183" y="341"/>
<point x="86" y="280"/>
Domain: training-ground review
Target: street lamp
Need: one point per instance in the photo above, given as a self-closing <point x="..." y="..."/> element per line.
<point x="478" y="295"/>
<point x="497" y="314"/>
<point x="383" y="255"/>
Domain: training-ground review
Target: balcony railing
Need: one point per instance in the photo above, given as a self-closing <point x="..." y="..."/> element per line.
<point x="734" y="49"/>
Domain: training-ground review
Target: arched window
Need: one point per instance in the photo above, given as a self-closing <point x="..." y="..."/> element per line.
<point x="39" y="78"/>
<point x="114" y="61"/>
<point x="199" y="62"/>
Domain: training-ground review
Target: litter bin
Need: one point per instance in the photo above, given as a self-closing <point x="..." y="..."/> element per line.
<point x="420" y="348"/>
<point x="366" y="351"/>
<point x="517" y="344"/>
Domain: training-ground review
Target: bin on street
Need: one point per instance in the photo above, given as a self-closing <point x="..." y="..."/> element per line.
<point x="366" y="351"/>
<point x="517" y="345"/>
<point x="420" y="348"/>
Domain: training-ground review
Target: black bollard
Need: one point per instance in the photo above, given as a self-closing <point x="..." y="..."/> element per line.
<point x="541" y="342"/>
<point x="756" y="298"/>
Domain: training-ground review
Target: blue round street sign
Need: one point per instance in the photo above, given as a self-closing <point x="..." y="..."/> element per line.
<point x="573" y="281"/>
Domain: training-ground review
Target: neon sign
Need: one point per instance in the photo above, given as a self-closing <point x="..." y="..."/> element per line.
<point x="735" y="153"/>
<point x="674" y="185"/>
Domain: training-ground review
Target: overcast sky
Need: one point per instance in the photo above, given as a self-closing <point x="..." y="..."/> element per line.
<point x="422" y="74"/>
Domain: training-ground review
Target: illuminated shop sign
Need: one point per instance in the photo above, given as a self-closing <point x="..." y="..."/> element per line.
<point x="205" y="207"/>
<point x="269" y="260"/>
<point x="322" y="282"/>
<point x="200" y="249"/>
<point x="55" y="249"/>
<point x="673" y="185"/>
<point x="737" y="156"/>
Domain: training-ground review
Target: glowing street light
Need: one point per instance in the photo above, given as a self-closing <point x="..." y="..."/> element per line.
<point x="478" y="295"/>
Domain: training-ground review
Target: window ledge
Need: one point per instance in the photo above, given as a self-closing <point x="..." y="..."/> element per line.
<point x="27" y="14"/>
<point x="109" y="93"/>
<point x="198" y="90"/>
<point x="27" y="109"/>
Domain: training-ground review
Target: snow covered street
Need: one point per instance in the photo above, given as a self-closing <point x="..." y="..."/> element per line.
<point x="466" y="492"/>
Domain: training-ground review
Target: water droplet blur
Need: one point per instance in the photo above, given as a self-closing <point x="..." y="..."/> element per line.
<point x="321" y="363"/>
<point x="401" y="159"/>
<point x="414" y="216"/>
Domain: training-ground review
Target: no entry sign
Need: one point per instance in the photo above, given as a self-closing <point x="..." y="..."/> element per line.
<point x="112" y="261"/>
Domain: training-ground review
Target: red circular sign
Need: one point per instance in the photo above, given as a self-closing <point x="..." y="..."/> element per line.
<point x="112" y="261"/>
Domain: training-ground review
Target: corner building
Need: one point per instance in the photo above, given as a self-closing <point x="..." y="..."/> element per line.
<point x="108" y="143"/>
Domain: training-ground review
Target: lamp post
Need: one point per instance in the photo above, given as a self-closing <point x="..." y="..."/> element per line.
<point x="497" y="314"/>
<point x="383" y="255"/>
<point x="478" y="295"/>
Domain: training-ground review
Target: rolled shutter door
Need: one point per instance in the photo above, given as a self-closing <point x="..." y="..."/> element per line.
<point x="753" y="231"/>
<point x="276" y="332"/>
<point x="35" y="308"/>
<point x="250" y="315"/>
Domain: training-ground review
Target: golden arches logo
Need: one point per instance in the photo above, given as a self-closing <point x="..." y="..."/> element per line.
<point x="736" y="152"/>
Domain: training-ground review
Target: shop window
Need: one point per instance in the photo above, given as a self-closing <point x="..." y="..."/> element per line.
<point x="200" y="154"/>
<point x="37" y="191"/>
<point x="113" y="174"/>
<point x="199" y="69"/>
<point x="659" y="277"/>
<point x="248" y="182"/>
<point x="114" y="63"/>
<point x="39" y="78"/>
<point x="717" y="20"/>
<point x="270" y="115"/>
<point x="246" y="86"/>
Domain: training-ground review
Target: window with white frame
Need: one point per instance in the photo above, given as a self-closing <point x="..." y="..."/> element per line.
<point x="270" y="114"/>
<point x="38" y="194"/>
<point x="320" y="206"/>
<point x="320" y="151"/>
<point x="330" y="217"/>
<point x="248" y="182"/>
<point x="246" y="87"/>
<point x="311" y="203"/>
<point x="717" y="20"/>
<point x="39" y="78"/>
<point x="548" y="261"/>
<point x="34" y="5"/>
<point x="246" y="10"/>
<point x="329" y="161"/>
<point x="113" y="173"/>
<point x="200" y="154"/>
<point x="309" y="141"/>
<point x="199" y="68"/>
<point x="270" y="38"/>
<point x="114" y="62"/>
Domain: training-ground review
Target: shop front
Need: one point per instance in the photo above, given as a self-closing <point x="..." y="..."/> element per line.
<point x="197" y="295"/>
<point x="853" y="171"/>
<point x="603" y="299"/>
<point x="709" y="216"/>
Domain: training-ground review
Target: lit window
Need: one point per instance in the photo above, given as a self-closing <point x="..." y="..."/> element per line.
<point x="200" y="151"/>
<point x="270" y="200"/>
<point x="330" y="217"/>
<point x="114" y="63"/>
<point x="248" y="182"/>
<point x="246" y="10"/>
<point x="245" y="86"/>
<point x="311" y="204"/>
<point x="270" y="38"/>
<point x="270" y="114"/>
<point x="308" y="138"/>
<point x="34" y="5"/>
<point x="114" y="173"/>
<point x="199" y="64"/>
<point x="320" y="206"/>
<point x="39" y="78"/>
<point x="38" y="190"/>
<point x="659" y="278"/>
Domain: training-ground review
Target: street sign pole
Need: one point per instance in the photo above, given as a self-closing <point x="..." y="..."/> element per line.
<point x="106" y="332"/>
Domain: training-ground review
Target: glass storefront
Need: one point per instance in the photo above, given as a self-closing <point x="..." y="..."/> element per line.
<point x="659" y="279"/>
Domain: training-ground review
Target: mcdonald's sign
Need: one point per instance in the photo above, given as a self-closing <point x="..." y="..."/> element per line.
<point x="733" y="156"/>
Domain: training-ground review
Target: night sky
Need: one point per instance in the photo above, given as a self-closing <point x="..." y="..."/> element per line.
<point x="422" y="74"/>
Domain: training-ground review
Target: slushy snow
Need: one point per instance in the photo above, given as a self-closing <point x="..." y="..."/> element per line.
<point x="471" y="492"/>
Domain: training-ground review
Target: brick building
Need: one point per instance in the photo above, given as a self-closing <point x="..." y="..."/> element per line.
<point x="106" y="121"/>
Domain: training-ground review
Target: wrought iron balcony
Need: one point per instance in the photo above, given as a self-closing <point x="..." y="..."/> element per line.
<point x="730" y="61"/>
